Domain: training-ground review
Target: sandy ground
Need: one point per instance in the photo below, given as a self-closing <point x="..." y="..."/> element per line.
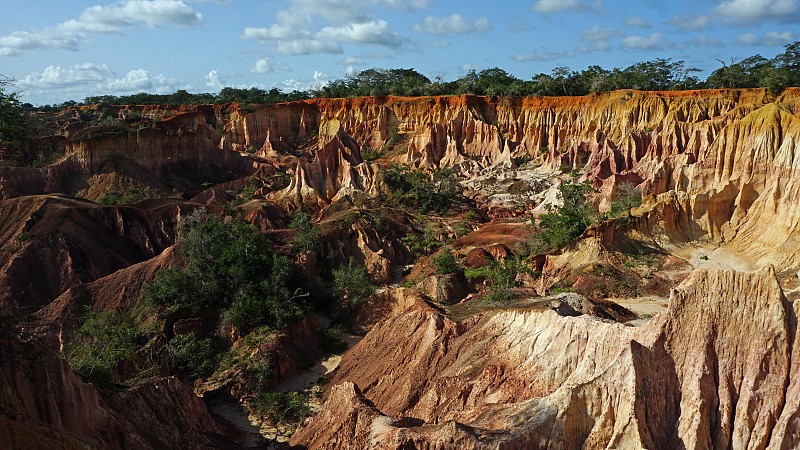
<point x="312" y="376"/>
<point x="713" y="257"/>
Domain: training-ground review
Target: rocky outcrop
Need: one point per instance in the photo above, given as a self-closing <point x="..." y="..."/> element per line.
<point x="716" y="370"/>
<point x="52" y="243"/>
<point x="45" y="405"/>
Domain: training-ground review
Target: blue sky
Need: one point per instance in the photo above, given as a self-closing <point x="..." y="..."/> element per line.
<point x="69" y="50"/>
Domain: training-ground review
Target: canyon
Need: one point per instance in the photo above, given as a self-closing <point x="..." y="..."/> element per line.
<point x="672" y="325"/>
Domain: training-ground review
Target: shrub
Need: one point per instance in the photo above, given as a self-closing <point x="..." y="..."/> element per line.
<point x="188" y="354"/>
<point x="445" y="262"/>
<point x="229" y="265"/>
<point x="426" y="192"/>
<point x="281" y="407"/>
<point x="628" y="197"/>
<point x="307" y="233"/>
<point x="561" y="224"/>
<point x="501" y="274"/>
<point x="352" y="284"/>
<point x="101" y="343"/>
<point x="369" y="154"/>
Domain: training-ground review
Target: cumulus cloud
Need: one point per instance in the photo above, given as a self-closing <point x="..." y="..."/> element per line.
<point x="69" y="35"/>
<point x="308" y="47"/>
<point x="769" y="38"/>
<point x="756" y="12"/>
<point x="452" y="24"/>
<point x="653" y="42"/>
<point x="317" y="81"/>
<point x="351" y="61"/>
<point x="372" y="32"/>
<point x="54" y="77"/>
<point x="599" y="34"/>
<point x="294" y="31"/>
<point x="638" y="22"/>
<point x="690" y="22"/>
<point x="140" y="80"/>
<point x="79" y="77"/>
<point x="554" y="6"/>
<point x="213" y="81"/>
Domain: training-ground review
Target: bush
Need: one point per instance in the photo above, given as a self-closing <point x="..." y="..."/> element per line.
<point x="426" y="192"/>
<point x="101" y="343"/>
<point x="186" y="353"/>
<point x="628" y="197"/>
<point x="501" y="274"/>
<point x="369" y="154"/>
<point x="281" y="407"/>
<point x="352" y="284"/>
<point x="562" y="224"/>
<point x="445" y="262"/>
<point x="229" y="265"/>
<point x="307" y="233"/>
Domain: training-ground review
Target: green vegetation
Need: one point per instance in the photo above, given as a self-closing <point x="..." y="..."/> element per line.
<point x="352" y="284"/>
<point x="369" y="154"/>
<point x="422" y="245"/>
<point x="445" y="262"/>
<point x="306" y="237"/>
<point x="628" y="197"/>
<point x="562" y="224"/>
<point x="22" y="134"/>
<point x="126" y="196"/>
<point x="501" y="274"/>
<point x="101" y="343"/>
<point x="229" y="265"/>
<point x="421" y="190"/>
<point x="281" y="407"/>
<point x="658" y="74"/>
<point x="189" y="354"/>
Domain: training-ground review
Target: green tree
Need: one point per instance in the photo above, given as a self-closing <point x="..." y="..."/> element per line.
<point x="17" y="128"/>
<point x="307" y="233"/>
<point x="501" y="274"/>
<point x="101" y="343"/>
<point x="561" y="224"/>
<point x="229" y="265"/>
<point x="628" y="197"/>
<point x="352" y="284"/>
<point x="189" y="354"/>
<point x="445" y="261"/>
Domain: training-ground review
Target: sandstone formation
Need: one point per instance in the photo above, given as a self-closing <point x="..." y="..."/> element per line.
<point x="717" y="369"/>
<point x="437" y="368"/>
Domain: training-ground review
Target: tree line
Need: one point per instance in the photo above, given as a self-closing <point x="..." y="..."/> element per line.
<point x="658" y="74"/>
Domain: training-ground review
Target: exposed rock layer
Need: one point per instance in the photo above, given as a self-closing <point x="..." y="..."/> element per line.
<point x="718" y="369"/>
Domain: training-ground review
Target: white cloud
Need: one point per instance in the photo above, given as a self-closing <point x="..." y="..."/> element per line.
<point x="554" y="6"/>
<point x="293" y="34"/>
<point x="747" y="39"/>
<point x="317" y="81"/>
<point x="308" y="47"/>
<point x="775" y="38"/>
<point x="756" y="12"/>
<point x="452" y="24"/>
<point x="691" y="22"/>
<point x="653" y="42"/>
<point x="705" y="41"/>
<point x="372" y="32"/>
<point x="599" y="34"/>
<point x="69" y="35"/>
<point x="55" y="77"/>
<point x="264" y="65"/>
<point x="638" y="22"/>
<point x="213" y="81"/>
<point x="351" y="61"/>
<point x="140" y="80"/>
<point x="770" y="38"/>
